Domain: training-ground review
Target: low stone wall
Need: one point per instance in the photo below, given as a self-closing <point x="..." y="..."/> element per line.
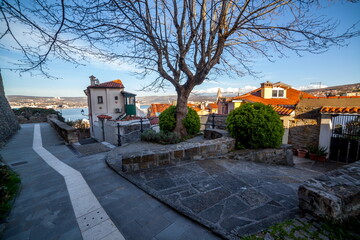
<point x="175" y="153"/>
<point x="275" y="156"/>
<point x="68" y="133"/>
<point x="334" y="195"/>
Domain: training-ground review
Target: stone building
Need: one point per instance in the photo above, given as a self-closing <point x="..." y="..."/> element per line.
<point x="8" y="121"/>
<point x="315" y="119"/>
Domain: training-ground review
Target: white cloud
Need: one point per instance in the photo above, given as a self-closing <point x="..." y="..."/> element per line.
<point x="311" y="86"/>
<point x="214" y="90"/>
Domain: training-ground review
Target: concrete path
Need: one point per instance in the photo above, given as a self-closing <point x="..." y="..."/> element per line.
<point x="43" y="209"/>
<point x="93" y="221"/>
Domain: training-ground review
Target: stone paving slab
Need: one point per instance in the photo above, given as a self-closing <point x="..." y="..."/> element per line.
<point x="233" y="198"/>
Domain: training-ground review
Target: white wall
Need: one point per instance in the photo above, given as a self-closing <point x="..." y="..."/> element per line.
<point x="325" y="131"/>
<point x="109" y="103"/>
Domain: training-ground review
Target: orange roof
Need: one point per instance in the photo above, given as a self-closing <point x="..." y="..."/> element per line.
<point x="282" y="110"/>
<point x="212" y="105"/>
<point x="340" y="110"/>
<point x="292" y="97"/>
<point x="158" y="108"/>
<point x="112" y="84"/>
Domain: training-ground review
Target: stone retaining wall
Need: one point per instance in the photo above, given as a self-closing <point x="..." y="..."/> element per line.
<point x="275" y="156"/>
<point x="175" y="153"/>
<point x="68" y="133"/>
<point x="8" y="121"/>
<point x="334" y="195"/>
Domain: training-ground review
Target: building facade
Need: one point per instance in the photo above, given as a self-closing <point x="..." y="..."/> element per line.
<point x="108" y="99"/>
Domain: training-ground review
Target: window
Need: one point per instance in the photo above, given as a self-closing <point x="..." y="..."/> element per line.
<point x="116" y="98"/>
<point x="100" y="99"/>
<point x="278" y="93"/>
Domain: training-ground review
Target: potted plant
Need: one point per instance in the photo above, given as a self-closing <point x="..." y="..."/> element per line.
<point x="302" y="152"/>
<point x="317" y="153"/>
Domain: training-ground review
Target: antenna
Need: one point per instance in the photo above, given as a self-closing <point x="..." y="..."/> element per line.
<point x="318" y="83"/>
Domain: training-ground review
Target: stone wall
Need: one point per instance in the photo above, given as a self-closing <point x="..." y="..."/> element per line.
<point x="68" y="133"/>
<point x="8" y="121"/>
<point x="174" y="153"/>
<point x="274" y="156"/>
<point x="305" y="129"/>
<point x="334" y="195"/>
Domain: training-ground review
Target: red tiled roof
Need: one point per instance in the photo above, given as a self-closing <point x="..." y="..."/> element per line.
<point x="157" y="108"/>
<point x="112" y="84"/>
<point x="194" y="106"/>
<point x="293" y="96"/>
<point x="282" y="110"/>
<point x="212" y="105"/>
<point x="340" y="110"/>
<point x="104" y="117"/>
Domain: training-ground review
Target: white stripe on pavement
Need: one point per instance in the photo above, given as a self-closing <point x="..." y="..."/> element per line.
<point x="93" y="221"/>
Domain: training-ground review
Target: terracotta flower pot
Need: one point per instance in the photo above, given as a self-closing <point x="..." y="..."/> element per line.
<point x="302" y="153"/>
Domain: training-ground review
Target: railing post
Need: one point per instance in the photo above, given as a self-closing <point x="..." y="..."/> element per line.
<point x="141" y="125"/>
<point x="213" y="120"/>
<point x="118" y="131"/>
<point x="103" y="130"/>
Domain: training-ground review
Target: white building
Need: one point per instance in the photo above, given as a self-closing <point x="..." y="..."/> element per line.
<point x="109" y="101"/>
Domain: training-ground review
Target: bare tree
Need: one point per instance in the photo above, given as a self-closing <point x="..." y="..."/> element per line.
<point x="182" y="40"/>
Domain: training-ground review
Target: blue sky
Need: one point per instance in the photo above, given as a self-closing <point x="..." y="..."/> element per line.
<point x="336" y="67"/>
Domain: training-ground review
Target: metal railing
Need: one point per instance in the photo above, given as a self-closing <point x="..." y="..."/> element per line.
<point x="212" y="121"/>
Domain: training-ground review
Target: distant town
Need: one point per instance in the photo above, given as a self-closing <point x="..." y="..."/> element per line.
<point x="18" y="101"/>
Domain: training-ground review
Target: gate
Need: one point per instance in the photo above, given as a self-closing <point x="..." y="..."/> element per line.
<point x="345" y="138"/>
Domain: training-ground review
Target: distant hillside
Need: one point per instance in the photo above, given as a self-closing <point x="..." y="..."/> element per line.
<point x="334" y="90"/>
<point x="147" y="100"/>
<point x="46" y="102"/>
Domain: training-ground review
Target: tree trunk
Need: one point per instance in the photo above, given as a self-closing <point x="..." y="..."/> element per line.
<point x="181" y="111"/>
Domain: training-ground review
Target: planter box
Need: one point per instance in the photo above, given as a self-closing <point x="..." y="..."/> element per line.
<point x="317" y="158"/>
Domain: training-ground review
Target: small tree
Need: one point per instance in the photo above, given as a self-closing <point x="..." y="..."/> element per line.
<point x="167" y="121"/>
<point x="255" y="125"/>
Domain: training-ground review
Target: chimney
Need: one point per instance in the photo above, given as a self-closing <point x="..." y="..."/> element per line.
<point x="266" y="90"/>
<point x="93" y="80"/>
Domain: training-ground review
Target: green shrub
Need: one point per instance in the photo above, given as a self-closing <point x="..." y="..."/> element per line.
<point x="161" y="137"/>
<point x="9" y="185"/>
<point x="167" y="121"/>
<point x="28" y="112"/>
<point x="255" y="125"/>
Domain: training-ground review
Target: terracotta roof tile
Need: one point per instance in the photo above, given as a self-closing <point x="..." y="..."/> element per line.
<point x="293" y="96"/>
<point x="212" y="105"/>
<point x="282" y="110"/>
<point x="112" y="84"/>
<point x="157" y="108"/>
<point x="326" y="109"/>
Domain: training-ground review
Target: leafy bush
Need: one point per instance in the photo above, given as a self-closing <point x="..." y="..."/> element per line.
<point x="255" y="125"/>
<point x="161" y="137"/>
<point x="167" y="121"/>
<point x="9" y="185"/>
<point x="28" y="112"/>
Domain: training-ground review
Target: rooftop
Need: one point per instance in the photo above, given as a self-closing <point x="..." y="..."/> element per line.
<point x="112" y="84"/>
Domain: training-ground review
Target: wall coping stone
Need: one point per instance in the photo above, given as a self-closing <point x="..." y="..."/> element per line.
<point x="334" y="195"/>
<point x="68" y="133"/>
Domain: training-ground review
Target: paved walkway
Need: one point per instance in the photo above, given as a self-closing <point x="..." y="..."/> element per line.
<point x="44" y="209"/>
